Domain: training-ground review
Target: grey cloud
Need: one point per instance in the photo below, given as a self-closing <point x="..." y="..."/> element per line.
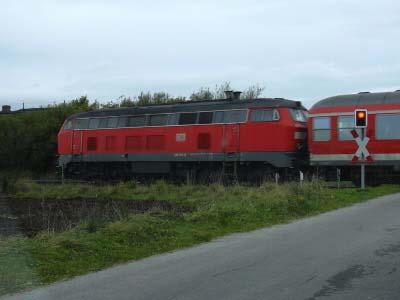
<point x="56" y="50"/>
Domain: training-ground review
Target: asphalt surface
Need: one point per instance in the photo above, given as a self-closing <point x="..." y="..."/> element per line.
<point x="351" y="253"/>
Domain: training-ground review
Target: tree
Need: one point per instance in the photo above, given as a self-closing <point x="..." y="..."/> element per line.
<point x="126" y="101"/>
<point x="253" y="92"/>
<point x="28" y="140"/>
<point x="110" y="104"/>
<point x="202" y="94"/>
<point x="205" y="93"/>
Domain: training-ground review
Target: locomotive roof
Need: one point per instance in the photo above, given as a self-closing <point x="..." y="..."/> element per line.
<point x="365" y="98"/>
<point x="191" y="106"/>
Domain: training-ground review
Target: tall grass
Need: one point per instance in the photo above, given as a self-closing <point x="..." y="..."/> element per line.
<point x="216" y="210"/>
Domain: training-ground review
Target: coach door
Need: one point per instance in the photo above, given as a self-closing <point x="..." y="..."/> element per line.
<point x="77" y="141"/>
<point x="231" y="138"/>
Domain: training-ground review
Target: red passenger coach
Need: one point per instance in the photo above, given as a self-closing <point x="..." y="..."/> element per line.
<point x="252" y="137"/>
<point x="333" y="135"/>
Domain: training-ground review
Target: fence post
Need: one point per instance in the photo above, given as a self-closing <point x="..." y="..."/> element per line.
<point x="301" y="178"/>
<point x="62" y="174"/>
<point x="276" y="178"/>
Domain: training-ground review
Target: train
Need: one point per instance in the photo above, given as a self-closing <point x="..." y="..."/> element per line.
<point x="333" y="144"/>
<point x="251" y="139"/>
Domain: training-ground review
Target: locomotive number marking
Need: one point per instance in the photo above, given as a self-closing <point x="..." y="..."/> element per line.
<point x="180" y="137"/>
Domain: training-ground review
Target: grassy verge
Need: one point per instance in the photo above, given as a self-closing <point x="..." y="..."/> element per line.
<point x="216" y="210"/>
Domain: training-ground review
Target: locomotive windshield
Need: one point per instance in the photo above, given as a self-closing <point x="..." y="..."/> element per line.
<point x="68" y="125"/>
<point x="298" y="115"/>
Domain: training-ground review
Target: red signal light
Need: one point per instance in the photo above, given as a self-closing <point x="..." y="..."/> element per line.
<point x="361" y="118"/>
<point x="360" y="115"/>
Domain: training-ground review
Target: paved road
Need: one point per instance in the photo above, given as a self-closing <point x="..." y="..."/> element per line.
<point x="352" y="253"/>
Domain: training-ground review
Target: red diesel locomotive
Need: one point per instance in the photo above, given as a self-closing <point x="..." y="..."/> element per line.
<point x="332" y="144"/>
<point x="197" y="138"/>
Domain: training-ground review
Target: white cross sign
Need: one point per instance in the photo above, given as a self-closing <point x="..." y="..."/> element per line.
<point x="362" y="147"/>
<point x="362" y="151"/>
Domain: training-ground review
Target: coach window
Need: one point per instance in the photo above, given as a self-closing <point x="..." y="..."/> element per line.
<point x="264" y="115"/>
<point x="387" y="126"/>
<point x="322" y="129"/>
<point x="82" y="123"/>
<point x="187" y="118"/>
<point x="136" y="121"/>
<point x="206" y="117"/>
<point x="94" y="123"/>
<point x="345" y="126"/>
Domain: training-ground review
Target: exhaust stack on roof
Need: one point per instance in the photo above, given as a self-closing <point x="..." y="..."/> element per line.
<point x="232" y="95"/>
<point x="229" y="95"/>
<point x="236" y="95"/>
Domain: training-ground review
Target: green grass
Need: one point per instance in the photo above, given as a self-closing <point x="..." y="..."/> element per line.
<point x="17" y="270"/>
<point x="217" y="210"/>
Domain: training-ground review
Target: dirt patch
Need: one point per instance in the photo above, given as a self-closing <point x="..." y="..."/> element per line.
<point x="31" y="216"/>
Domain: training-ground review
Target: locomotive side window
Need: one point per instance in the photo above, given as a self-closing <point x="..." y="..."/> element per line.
<point x="264" y="115"/>
<point x="158" y="120"/>
<point x="112" y="122"/>
<point x="230" y="116"/>
<point x="94" y="123"/>
<point x="235" y="116"/>
<point x="387" y="126"/>
<point x="187" y="118"/>
<point x="122" y="121"/>
<point x="322" y="129"/>
<point x="345" y="126"/>
<point x="219" y="117"/>
<point x="103" y="123"/>
<point x="82" y="123"/>
<point x="136" y="121"/>
<point x="206" y="117"/>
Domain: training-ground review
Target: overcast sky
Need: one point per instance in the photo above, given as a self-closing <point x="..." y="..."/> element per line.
<point x="52" y="50"/>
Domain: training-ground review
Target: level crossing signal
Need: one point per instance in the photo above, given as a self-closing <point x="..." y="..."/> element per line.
<point x="361" y="118"/>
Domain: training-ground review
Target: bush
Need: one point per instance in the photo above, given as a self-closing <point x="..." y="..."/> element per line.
<point x="28" y="141"/>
